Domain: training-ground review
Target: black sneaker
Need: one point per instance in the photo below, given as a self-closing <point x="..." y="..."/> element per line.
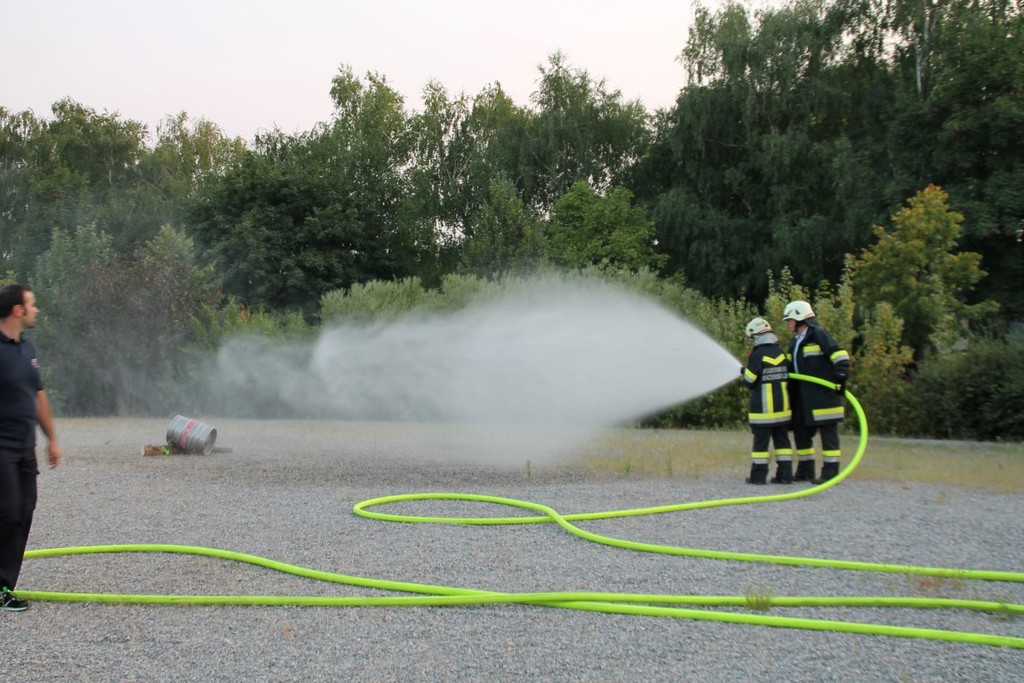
<point x="9" y="602"/>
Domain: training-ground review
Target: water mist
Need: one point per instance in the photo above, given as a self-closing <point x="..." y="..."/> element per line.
<point x="538" y="361"/>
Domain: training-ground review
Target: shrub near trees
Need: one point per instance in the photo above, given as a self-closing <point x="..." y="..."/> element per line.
<point x="863" y="155"/>
<point x="116" y="324"/>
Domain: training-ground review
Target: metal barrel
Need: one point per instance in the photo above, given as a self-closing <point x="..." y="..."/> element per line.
<point x="191" y="435"/>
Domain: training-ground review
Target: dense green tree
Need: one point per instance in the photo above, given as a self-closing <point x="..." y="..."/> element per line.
<point x="959" y="113"/>
<point x="280" y="227"/>
<point x="85" y="168"/>
<point x="17" y="130"/>
<point x="755" y="163"/>
<point x="505" y="237"/>
<point x="804" y="124"/>
<point x="298" y="216"/>
<point x="581" y="131"/>
<point x="76" y="168"/>
<point x="186" y="151"/>
<point x="609" y="232"/>
<point x="915" y="269"/>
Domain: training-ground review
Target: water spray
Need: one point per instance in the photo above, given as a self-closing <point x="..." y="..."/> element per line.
<point x="532" y="370"/>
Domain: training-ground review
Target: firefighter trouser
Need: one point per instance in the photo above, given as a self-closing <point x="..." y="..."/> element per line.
<point x="803" y="437"/>
<point x="767" y="434"/>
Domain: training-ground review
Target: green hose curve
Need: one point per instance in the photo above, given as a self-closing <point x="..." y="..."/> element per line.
<point x="613" y="603"/>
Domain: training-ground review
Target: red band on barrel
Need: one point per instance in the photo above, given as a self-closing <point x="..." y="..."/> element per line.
<point x="184" y="433"/>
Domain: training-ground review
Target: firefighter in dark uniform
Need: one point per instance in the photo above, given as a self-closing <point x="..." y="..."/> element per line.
<point x="816" y="408"/>
<point x="766" y="374"/>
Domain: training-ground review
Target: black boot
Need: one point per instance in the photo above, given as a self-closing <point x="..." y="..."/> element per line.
<point x="783" y="472"/>
<point x="828" y="471"/>
<point x="758" y="473"/>
<point x="804" y="471"/>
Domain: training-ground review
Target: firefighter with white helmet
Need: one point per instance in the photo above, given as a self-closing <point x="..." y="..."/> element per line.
<point x="816" y="408"/>
<point x="769" y="415"/>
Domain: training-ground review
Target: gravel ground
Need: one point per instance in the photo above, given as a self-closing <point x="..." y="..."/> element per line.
<point x="286" y="490"/>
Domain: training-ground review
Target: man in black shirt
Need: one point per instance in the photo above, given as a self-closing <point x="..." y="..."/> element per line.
<point x="23" y="406"/>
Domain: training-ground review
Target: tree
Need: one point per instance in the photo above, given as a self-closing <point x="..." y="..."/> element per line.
<point x="447" y="178"/>
<point x="86" y="169"/>
<point x="471" y="156"/>
<point x="442" y="153"/>
<point x="117" y="324"/>
<point x="61" y="280"/>
<point x="77" y="168"/>
<point x="915" y="269"/>
<point x="17" y="130"/>
<point x="587" y="229"/>
<point x="581" y="131"/>
<point x="767" y="159"/>
<point x="299" y="216"/>
<point x="186" y="151"/>
<point x="506" y="237"/>
<point x="958" y="115"/>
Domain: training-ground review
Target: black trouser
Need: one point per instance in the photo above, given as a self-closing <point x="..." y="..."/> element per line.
<point x="803" y="438"/>
<point x="764" y="435"/>
<point x="803" y="434"/>
<point x="18" y="494"/>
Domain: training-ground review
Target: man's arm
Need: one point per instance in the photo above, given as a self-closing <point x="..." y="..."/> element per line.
<point x="46" y="423"/>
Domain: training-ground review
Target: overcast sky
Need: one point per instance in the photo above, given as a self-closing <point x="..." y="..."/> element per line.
<point x="250" y="65"/>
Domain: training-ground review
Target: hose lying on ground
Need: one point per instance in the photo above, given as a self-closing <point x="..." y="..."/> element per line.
<point x="612" y="603"/>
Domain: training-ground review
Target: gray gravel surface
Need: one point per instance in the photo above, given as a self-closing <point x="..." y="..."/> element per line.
<point x="286" y="491"/>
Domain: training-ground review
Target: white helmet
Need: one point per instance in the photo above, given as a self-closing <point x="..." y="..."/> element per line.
<point x="797" y="310"/>
<point x="757" y="326"/>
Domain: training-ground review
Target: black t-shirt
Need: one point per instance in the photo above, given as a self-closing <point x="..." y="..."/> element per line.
<point x="20" y="381"/>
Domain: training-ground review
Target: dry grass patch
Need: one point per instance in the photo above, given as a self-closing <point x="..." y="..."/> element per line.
<point x="654" y="453"/>
<point x="667" y="453"/>
<point x="995" y="467"/>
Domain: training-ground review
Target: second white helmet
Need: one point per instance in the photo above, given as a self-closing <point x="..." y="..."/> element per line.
<point x="797" y="310"/>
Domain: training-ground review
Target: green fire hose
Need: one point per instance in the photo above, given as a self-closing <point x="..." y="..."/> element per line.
<point x="612" y="603"/>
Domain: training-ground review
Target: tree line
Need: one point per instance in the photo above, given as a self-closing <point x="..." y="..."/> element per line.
<point x="867" y="149"/>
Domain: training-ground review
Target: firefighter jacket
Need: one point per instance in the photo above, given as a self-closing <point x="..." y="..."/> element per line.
<point x="766" y="373"/>
<point x="817" y="355"/>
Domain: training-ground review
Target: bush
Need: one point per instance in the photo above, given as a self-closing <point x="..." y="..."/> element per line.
<point x="375" y="300"/>
<point x="879" y="375"/>
<point x="973" y="394"/>
<point x="116" y="323"/>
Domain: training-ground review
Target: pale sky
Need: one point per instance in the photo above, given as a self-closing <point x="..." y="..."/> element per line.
<point x="251" y="65"/>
